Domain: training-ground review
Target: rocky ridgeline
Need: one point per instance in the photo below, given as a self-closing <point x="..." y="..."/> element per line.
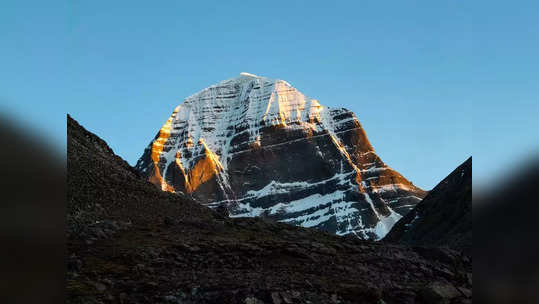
<point x="260" y="147"/>
<point x="174" y="250"/>
<point x="444" y="217"/>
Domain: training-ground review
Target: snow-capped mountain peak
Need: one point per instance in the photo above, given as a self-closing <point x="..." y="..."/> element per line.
<point x="261" y="147"/>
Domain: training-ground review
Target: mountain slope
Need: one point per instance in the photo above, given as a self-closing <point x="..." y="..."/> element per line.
<point x="174" y="250"/>
<point x="261" y="148"/>
<point x="95" y="174"/>
<point x="444" y="217"/>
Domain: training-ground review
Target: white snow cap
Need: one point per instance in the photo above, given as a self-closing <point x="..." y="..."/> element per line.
<point x="248" y="74"/>
<point x="247" y="102"/>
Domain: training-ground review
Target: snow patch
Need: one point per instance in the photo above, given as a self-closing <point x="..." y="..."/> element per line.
<point x="248" y="74"/>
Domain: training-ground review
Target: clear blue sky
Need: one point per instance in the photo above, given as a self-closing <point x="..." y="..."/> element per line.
<point x="432" y="82"/>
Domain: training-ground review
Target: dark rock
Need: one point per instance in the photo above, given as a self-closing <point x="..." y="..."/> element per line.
<point x="222" y="211"/>
<point x="100" y="287"/>
<point x="465" y="292"/>
<point x="169" y="221"/>
<point x="276" y="298"/>
<point x="74" y="263"/>
<point x="438" y="293"/>
<point x="443" y="218"/>
<point x="252" y="300"/>
<point x="171" y="299"/>
<point x="287" y="298"/>
<point x="469" y="279"/>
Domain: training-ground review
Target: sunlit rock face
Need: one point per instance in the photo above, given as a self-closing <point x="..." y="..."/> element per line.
<point x="262" y="148"/>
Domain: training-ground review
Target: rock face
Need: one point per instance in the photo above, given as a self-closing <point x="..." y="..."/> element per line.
<point x="262" y="148"/>
<point x="444" y="217"/>
<point x="174" y="250"/>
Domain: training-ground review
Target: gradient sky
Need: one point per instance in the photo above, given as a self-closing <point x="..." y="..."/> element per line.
<point x="432" y="82"/>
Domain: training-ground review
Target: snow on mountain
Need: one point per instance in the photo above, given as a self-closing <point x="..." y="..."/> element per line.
<point x="262" y="148"/>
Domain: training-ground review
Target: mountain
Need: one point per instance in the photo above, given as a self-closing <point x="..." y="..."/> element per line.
<point x="129" y="242"/>
<point x="444" y="217"/>
<point x="95" y="175"/>
<point x="261" y="148"/>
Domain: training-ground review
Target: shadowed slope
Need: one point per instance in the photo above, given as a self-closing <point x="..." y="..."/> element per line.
<point x="444" y="217"/>
<point x="102" y="186"/>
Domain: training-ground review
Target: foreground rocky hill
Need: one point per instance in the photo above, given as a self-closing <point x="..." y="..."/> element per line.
<point x="444" y="217"/>
<point x="259" y="147"/>
<point x="129" y="242"/>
